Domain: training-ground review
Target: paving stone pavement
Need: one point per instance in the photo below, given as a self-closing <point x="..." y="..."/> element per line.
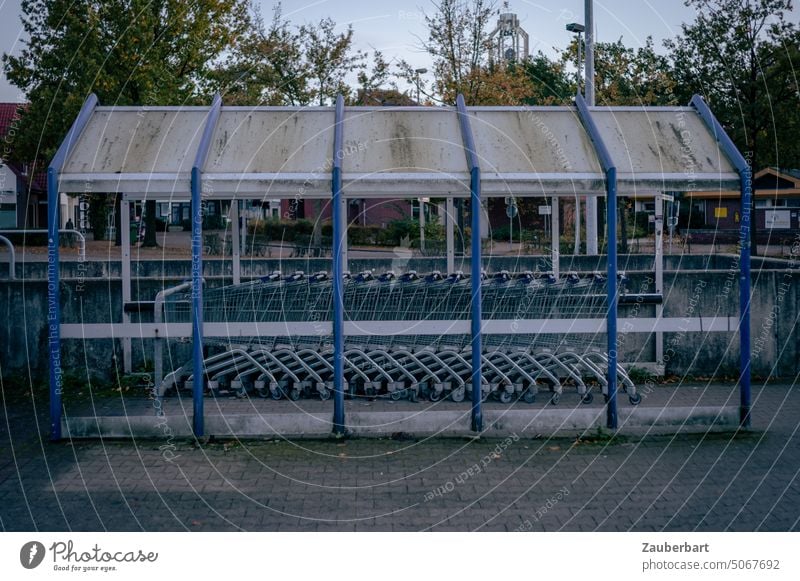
<point x="741" y="482"/>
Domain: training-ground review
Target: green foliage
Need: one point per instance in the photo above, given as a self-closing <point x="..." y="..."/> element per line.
<point x="281" y="64"/>
<point x="151" y="52"/>
<point x="742" y="57"/>
<point x="283" y="230"/>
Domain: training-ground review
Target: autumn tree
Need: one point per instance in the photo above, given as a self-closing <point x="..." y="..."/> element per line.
<point x="265" y="66"/>
<point x="128" y="52"/>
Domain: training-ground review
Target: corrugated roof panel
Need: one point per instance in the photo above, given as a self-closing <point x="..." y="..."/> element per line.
<point x="403" y="141"/>
<point x="269" y="141"/>
<point x="138" y="142"/>
<point x="532" y="141"/>
<point x="661" y="141"/>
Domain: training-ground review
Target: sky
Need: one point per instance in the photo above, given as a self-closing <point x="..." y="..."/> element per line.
<point x="395" y="27"/>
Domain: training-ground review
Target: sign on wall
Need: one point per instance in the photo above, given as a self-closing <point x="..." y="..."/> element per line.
<point x="778" y="219"/>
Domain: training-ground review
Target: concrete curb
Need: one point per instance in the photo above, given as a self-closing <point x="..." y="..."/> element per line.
<point x="499" y="423"/>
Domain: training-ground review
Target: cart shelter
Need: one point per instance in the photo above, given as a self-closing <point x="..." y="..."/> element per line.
<point x="219" y="152"/>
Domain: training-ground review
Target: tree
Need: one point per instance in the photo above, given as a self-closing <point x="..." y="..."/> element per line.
<point x="266" y="65"/>
<point x="458" y="42"/>
<point x="329" y="58"/>
<point x="128" y="52"/>
<point x="741" y="56"/>
<point x="548" y="81"/>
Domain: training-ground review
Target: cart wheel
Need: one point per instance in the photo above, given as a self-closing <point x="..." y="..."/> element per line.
<point x="241" y="393"/>
<point x="555" y="398"/>
<point x="275" y="394"/>
<point x="397" y="395"/>
<point x="505" y="397"/>
<point x="458" y="394"/>
<point x="635" y="399"/>
<point x="294" y="394"/>
<point x="325" y="394"/>
<point x="529" y="396"/>
<point x="587" y="398"/>
<point x="263" y="393"/>
<point x="434" y="395"/>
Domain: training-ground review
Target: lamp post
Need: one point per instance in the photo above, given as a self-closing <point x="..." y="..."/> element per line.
<point x="419" y="72"/>
<point x="578" y="29"/>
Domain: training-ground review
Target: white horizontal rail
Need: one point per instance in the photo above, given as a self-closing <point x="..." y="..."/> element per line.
<point x="366" y="328"/>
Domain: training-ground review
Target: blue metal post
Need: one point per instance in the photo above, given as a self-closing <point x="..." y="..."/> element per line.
<point x="53" y="296"/>
<point x="476" y="315"/>
<point x="611" y="317"/>
<point x="745" y="201"/>
<point x="198" y="371"/>
<point x="53" y="304"/>
<point x="338" y="273"/>
<point x="607" y="163"/>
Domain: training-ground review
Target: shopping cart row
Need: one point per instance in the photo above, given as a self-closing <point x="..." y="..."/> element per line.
<point x="512" y="370"/>
<point x="410" y="296"/>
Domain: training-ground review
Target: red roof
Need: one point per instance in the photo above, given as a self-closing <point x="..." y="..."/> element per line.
<point x="9" y="113"/>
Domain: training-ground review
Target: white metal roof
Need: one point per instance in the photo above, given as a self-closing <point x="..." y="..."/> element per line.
<point x="390" y="152"/>
<point x="663" y="149"/>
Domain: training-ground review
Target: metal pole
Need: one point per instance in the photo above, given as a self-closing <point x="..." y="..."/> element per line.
<point x="475" y="208"/>
<point x="746" y="176"/>
<point x="611" y="324"/>
<point x="450" y="234"/>
<point x="12" y="258"/>
<point x="577" y="249"/>
<point x="555" y="236"/>
<point x="198" y="373"/>
<point x="125" y="237"/>
<point x="421" y="225"/>
<point x="591" y="201"/>
<point x="338" y="295"/>
<point x="475" y="324"/>
<point x="53" y="295"/>
<point x="579" y="62"/>
<point x="53" y="305"/>
<point x="607" y="163"/>
<point x="589" y="24"/>
<point x="659" y="271"/>
<point x="745" y="199"/>
<point x="236" y="242"/>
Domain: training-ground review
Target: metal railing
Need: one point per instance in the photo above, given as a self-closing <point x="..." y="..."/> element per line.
<point x="80" y="236"/>
<point x="12" y="258"/>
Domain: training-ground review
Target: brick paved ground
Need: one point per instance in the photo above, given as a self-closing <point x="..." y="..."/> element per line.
<point x="717" y="482"/>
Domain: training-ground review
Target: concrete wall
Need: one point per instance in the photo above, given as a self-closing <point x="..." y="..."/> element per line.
<point x="91" y="293"/>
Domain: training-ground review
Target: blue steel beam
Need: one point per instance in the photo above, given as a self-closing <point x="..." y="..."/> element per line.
<point x="745" y="201"/>
<point x="53" y="297"/>
<point x="475" y="205"/>
<point x="338" y="272"/>
<point x="198" y="373"/>
<point x="610" y="170"/>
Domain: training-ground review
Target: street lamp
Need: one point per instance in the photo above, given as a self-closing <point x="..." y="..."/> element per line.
<point x="578" y="29"/>
<point x="419" y="72"/>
